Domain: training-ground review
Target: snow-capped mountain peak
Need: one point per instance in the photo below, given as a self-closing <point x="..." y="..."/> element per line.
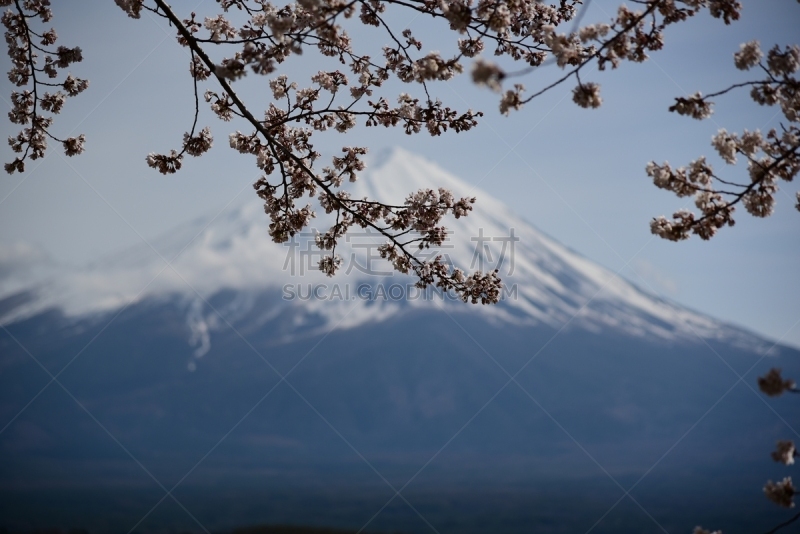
<point x="545" y="283"/>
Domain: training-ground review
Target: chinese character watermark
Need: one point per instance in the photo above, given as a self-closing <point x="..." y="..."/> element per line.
<point x="303" y="255"/>
<point x="482" y="258"/>
<point x="381" y="292"/>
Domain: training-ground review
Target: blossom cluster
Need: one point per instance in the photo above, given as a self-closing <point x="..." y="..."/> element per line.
<point x="773" y="384"/>
<point x="784" y="452"/>
<point x="338" y="99"/>
<point x="34" y="59"/>
<point x="781" y="493"/>
<point x="335" y="99"/>
<point x="528" y="31"/>
<point x="771" y="158"/>
<point x="249" y="38"/>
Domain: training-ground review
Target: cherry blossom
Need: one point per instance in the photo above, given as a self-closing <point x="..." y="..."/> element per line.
<point x="784" y="452"/>
<point x="781" y="493"/>
<point x="34" y="63"/>
<point x="773" y="385"/>
<point x="770" y="159"/>
<point x="255" y="38"/>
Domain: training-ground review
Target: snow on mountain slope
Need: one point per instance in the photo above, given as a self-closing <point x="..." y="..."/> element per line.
<point x="546" y="282"/>
<point x="553" y="284"/>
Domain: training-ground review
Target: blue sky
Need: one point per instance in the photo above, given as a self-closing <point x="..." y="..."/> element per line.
<point x="578" y="175"/>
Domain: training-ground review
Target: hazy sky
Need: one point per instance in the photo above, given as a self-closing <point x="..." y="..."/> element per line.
<point x="577" y="174"/>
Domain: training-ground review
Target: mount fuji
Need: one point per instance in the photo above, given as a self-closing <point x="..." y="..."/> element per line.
<point x="223" y="367"/>
<point x="231" y="251"/>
